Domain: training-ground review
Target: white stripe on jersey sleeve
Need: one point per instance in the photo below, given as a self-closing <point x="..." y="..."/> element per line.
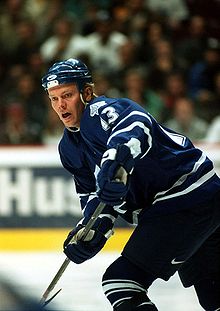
<point x="129" y="128"/>
<point x="138" y="113"/>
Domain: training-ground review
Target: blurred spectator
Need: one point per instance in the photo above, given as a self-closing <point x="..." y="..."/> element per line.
<point x="103" y="45"/>
<point x="64" y="43"/>
<point x="12" y="76"/>
<point x="32" y="97"/>
<point x="28" y="41"/>
<point x="83" y="13"/>
<point x="36" y="66"/>
<point x="208" y="103"/>
<point x="175" y="87"/>
<point x="202" y="73"/>
<point x="121" y="15"/>
<point x="164" y="63"/>
<point x="11" y="13"/>
<point x="16" y="130"/>
<point x="136" y="88"/>
<point x="44" y="13"/>
<point x="138" y="15"/>
<point x="209" y="10"/>
<point x="130" y="17"/>
<point x="154" y="33"/>
<point x="191" y="47"/>
<point x="185" y="121"/>
<point x="104" y="86"/>
<point x="127" y="56"/>
<point x="173" y="11"/>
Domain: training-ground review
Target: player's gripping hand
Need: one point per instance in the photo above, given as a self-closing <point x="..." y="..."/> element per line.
<point x="79" y="248"/>
<point x="112" y="187"/>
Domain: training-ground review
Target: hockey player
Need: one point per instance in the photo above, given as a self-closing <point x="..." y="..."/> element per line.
<point x="172" y="192"/>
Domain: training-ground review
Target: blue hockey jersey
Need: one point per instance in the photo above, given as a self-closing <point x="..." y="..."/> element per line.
<point x="169" y="173"/>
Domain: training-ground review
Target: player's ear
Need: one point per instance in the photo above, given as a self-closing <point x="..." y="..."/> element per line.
<point x="87" y="93"/>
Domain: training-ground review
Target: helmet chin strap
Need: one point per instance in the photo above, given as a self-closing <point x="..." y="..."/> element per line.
<point x="83" y="101"/>
<point x="92" y="94"/>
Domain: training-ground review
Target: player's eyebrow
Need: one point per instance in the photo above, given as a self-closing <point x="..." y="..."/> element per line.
<point x="62" y="93"/>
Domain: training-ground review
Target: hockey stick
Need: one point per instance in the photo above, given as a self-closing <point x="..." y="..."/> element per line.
<point x="121" y="176"/>
<point x="66" y="262"/>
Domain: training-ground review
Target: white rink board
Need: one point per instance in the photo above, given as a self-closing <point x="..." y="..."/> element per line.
<point x="81" y="284"/>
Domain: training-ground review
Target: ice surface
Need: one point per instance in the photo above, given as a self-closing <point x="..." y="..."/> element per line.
<point x="31" y="273"/>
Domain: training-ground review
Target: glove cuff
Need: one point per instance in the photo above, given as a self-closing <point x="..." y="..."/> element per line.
<point x="122" y="155"/>
<point x="109" y="154"/>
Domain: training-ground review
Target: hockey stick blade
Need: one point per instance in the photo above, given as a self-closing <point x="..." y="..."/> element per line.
<point x="45" y="302"/>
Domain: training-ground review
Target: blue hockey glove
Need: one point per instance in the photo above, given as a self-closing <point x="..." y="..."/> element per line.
<point x="112" y="189"/>
<point x="79" y="249"/>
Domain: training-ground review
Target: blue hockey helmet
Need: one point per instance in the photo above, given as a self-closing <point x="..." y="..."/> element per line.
<point x="67" y="71"/>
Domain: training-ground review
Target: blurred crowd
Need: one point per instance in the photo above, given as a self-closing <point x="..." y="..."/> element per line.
<point x="165" y="55"/>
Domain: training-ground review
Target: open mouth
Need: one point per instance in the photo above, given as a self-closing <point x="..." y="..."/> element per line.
<point x="65" y="115"/>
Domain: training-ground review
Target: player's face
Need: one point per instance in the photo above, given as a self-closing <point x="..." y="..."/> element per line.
<point x="66" y="102"/>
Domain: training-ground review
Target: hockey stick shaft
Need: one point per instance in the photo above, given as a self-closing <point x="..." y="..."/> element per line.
<point x="66" y="262"/>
